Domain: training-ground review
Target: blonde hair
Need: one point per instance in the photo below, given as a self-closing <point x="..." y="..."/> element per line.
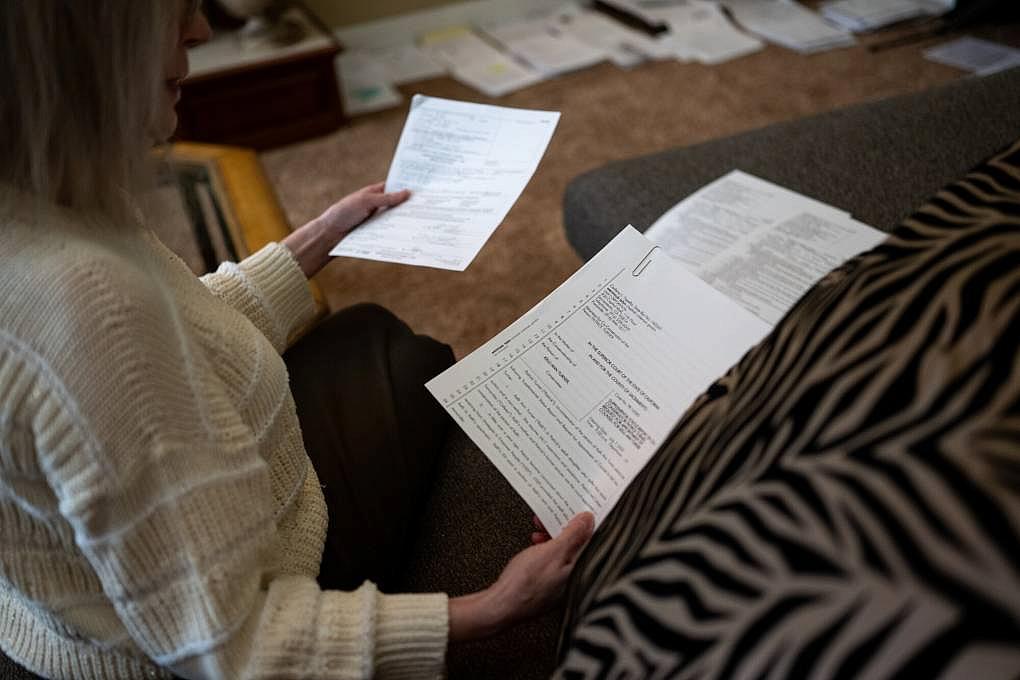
<point x="80" y="87"/>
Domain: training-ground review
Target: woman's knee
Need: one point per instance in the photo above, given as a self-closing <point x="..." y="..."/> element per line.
<point x="420" y="355"/>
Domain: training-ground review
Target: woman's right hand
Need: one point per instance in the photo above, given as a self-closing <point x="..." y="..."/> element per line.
<point x="529" y="585"/>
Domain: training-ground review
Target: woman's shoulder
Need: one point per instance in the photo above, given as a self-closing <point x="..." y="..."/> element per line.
<point x="61" y="279"/>
<point x="51" y="253"/>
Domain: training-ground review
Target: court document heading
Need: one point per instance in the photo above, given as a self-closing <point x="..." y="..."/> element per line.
<point x="466" y="165"/>
<point x="572" y="399"/>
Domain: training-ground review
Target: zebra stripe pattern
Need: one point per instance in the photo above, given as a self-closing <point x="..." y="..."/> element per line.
<point x="845" y="501"/>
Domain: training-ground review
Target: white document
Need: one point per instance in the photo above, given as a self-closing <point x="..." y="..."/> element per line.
<point x="407" y="63"/>
<point x="788" y="24"/>
<point x="624" y="46"/>
<point x="572" y="399"/>
<point x="760" y="244"/>
<point x="549" y="51"/>
<point x="478" y="64"/>
<point x="465" y="165"/>
<point x="982" y="57"/>
<point x="365" y="85"/>
<point x="699" y="31"/>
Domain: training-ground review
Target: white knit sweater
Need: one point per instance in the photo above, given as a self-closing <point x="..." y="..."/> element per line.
<point x="158" y="511"/>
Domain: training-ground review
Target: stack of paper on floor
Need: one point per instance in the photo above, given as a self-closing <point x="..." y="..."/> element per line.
<point x="861" y="16"/>
<point x="624" y="46"/>
<point x="789" y="24"/>
<point x="406" y="63"/>
<point x="365" y="85"/>
<point x="637" y="10"/>
<point x="478" y="64"/>
<point x="699" y="31"/>
<point x="981" y="57"/>
<point x="540" y="44"/>
<point x="368" y="76"/>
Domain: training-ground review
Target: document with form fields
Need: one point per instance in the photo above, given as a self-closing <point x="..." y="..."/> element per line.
<point x="760" y="244"/>
<point x="571" y="400"/>
<point x="466" y="165"/>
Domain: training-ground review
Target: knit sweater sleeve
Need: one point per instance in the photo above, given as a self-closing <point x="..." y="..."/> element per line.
<point x="269" y="288"/>
<point x="171" y="503"/>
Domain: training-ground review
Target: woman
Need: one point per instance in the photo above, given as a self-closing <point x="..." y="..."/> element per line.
<point x="158" y="509"/>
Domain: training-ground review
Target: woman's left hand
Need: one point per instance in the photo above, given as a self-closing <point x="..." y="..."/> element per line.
<point x="311" y="243"/>
<point x="352" y="210"/>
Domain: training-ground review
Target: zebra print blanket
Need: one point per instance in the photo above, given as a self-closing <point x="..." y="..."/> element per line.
<point x="845" y="502"/>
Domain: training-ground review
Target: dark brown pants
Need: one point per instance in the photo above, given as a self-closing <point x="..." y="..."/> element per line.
<point x="373" y="433"/>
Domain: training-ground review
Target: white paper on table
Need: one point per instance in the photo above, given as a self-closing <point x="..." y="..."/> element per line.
<point x="788" y="24"/>
<point x="571" y="400"/>
<point x="982" y="57"/>
<point x="407" y="63"/>
<point x="549" y="51"/>
<point x="364" y="84"/>
<point x="758" y="243"/>
<point x="478" y="64"/>
<point x="465" y="164"/>
<point x="700" y="31"/>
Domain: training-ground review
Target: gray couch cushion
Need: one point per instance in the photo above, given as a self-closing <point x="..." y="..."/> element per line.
<point x="877" y="160"/>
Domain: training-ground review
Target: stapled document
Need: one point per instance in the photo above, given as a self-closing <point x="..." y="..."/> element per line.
<point x="572" y="399"/>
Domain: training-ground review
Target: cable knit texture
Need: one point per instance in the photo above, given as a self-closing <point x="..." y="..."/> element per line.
<point x="158" y="512"/>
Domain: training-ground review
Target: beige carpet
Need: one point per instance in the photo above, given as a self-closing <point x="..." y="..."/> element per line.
<point x="607" y="114"/>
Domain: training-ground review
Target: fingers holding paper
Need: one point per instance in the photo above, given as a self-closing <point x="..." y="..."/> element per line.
<point x="352" y="210"/>
<point x="311" y="244"/>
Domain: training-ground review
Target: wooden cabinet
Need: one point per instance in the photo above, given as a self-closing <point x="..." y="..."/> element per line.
<point x="260" y="97"/>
